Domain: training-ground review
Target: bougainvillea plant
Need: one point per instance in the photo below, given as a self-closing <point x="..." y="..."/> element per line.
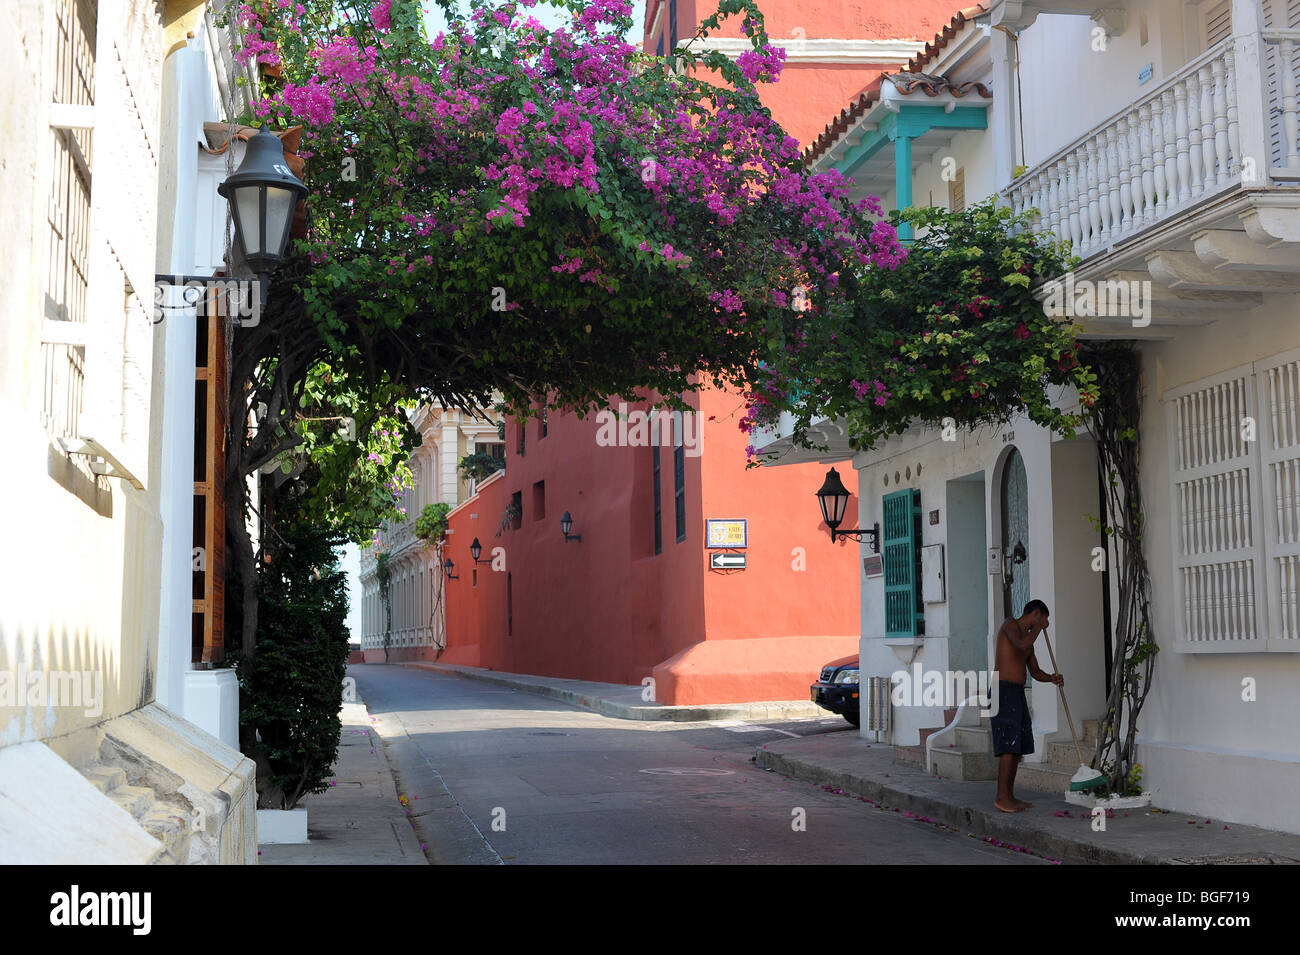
<point x="953" y="338"/>
<point x="549" y="212"/>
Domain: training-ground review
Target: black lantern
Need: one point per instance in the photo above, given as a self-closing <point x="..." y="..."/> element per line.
<point x="475" y="549"/>
<point x="834" y="500"/>
<point x="566" y="525"/>
<point x="263" y="195"/>
<point x="448" y="567"/>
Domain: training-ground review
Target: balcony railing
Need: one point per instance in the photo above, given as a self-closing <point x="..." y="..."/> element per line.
<point x="1226" y="119"/>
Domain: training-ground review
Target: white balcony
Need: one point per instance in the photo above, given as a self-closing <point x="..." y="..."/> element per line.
<point x="1182" y="143"/>
<point x="1193" y="189"/>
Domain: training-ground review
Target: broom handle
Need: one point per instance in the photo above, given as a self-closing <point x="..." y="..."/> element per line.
<point x="1059" y="689"/>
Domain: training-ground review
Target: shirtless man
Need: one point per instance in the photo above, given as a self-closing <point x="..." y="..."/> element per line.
<point x="1013" y="733"/>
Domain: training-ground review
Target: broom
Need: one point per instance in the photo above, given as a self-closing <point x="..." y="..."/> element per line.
<point x="1086" y="777"/>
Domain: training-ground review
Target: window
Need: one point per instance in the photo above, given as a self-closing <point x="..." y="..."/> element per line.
<point x="679" y="476"/>
<point x="541" y="424"/>
<point x="1235" y="475"/>
<point x="68" y="217"/>
<point x="516" y="510"/>
<point x="672" y="23"/>
<point x="900" y="546"/>
<point x="523" y="430"/>
<point x="539" y="500"/>
<point x="658" y="490"/>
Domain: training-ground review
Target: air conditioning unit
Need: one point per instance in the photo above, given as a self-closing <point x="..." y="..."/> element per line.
<point x="877" y="702"/>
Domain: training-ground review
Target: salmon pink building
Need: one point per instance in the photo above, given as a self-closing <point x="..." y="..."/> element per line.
<point x="597" y="555"/>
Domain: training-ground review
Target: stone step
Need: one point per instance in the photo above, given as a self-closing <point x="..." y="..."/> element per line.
<point x="959" y="764"/>
<point x="1064" y="752"/>
<point x="927" y="733"/>
<point x="914" y="755"/>
<point x="134" y="799"/>
<point x="973" y="739"/>
<point x="1048" y="777"/>
<point x="169" y="826"/>
<point x="105" y="778"/>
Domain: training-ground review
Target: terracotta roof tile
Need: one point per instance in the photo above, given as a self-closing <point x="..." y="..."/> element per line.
<point x="907" y="81"/>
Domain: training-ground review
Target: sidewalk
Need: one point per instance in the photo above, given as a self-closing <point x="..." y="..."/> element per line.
<point x="625" y="702"/>
<point x="359" y="819"/>
<point x="1053" y="828"/>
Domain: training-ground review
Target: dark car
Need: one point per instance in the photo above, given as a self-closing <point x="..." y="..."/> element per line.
<point x="836" y="688"/>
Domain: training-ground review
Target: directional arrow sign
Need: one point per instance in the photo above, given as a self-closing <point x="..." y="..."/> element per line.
<point x="726" y="561"/>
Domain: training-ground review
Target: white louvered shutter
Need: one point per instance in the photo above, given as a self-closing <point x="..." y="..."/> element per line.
<point x="1279" y="442"/>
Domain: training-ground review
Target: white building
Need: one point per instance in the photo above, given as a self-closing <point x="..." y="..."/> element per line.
<point x="418" y="624"/>
<point x="97" y="764"/>
<point x="1161" y="137"/>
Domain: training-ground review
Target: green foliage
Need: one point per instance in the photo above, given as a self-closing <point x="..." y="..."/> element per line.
<point x="954" y="337"/>
<point x="480" y="466"/>
<point x="290" y="693"/>
<point x="431" y="525"/>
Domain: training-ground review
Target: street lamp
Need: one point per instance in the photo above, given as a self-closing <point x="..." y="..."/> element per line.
<point x="448" y="567"/>
<point x="263" y="195"/>
<point x="475" y="549"/>
<point x="834" y="500"/>
<point x="566" y="525"/>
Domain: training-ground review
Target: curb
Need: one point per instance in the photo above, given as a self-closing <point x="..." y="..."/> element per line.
<point x="777" y="710"/>
<point x="976" y="821"/>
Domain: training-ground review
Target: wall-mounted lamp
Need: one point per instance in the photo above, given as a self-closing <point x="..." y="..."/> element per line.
<point x="834" y="500"/>
<point x="262" y="194"/>
<point x="475" y="549"/>
<point x="566" y="525"/>
<point x="448" y="567"/>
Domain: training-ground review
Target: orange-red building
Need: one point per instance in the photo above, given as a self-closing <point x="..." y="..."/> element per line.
<point x="638" y="596"/>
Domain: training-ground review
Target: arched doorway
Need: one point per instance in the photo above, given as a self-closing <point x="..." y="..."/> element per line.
<point x="1014" y="493"/>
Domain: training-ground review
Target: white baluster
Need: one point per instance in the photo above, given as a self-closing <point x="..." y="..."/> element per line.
<point x="1234" y="123"/>
<point x="1169" y="128"/>
<point x="1124" y="220"/>
<point x="1093" y="229"/>
<point x="1075" y="194"/>
<point x="1197" y="174"/>
<point x="1181" y="149"/>
<point x="1207" y="127"/>
<point x="1158" y="156"/>
<point x="1221" y="124"/>
<point x="1051" y="201"/>
<point x="1290" y="112"/>
<point x="1147" y="152"/>
<point x="1137" y="204"/>
<point x="1110" y="224"/>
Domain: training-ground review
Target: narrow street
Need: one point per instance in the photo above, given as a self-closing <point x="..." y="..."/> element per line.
<point x="565" y="785"/>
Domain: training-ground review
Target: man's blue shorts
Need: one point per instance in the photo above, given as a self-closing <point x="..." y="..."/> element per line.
<point x="1013" y="732"/>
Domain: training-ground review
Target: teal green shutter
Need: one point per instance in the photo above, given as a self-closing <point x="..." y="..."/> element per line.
<point x="901" y="548"/>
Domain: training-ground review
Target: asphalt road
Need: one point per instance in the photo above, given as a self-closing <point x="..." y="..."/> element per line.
<point x="500" y="775"/>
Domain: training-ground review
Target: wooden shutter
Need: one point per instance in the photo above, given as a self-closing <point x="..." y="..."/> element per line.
<point x="957" y="192"/>
<point x="1278" y="433"/>
<point x="1216" y="507"/>
<point x="901" y="549"/>
<point x="1278" y="15"/>
<point x="1218" y="23"/>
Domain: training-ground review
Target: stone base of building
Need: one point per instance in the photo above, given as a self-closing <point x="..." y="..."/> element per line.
<point x="424" y="654"/>
<point x="145" y="788"/>
<point x="1251" y="788"/>
<point x="747" y="671"/>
